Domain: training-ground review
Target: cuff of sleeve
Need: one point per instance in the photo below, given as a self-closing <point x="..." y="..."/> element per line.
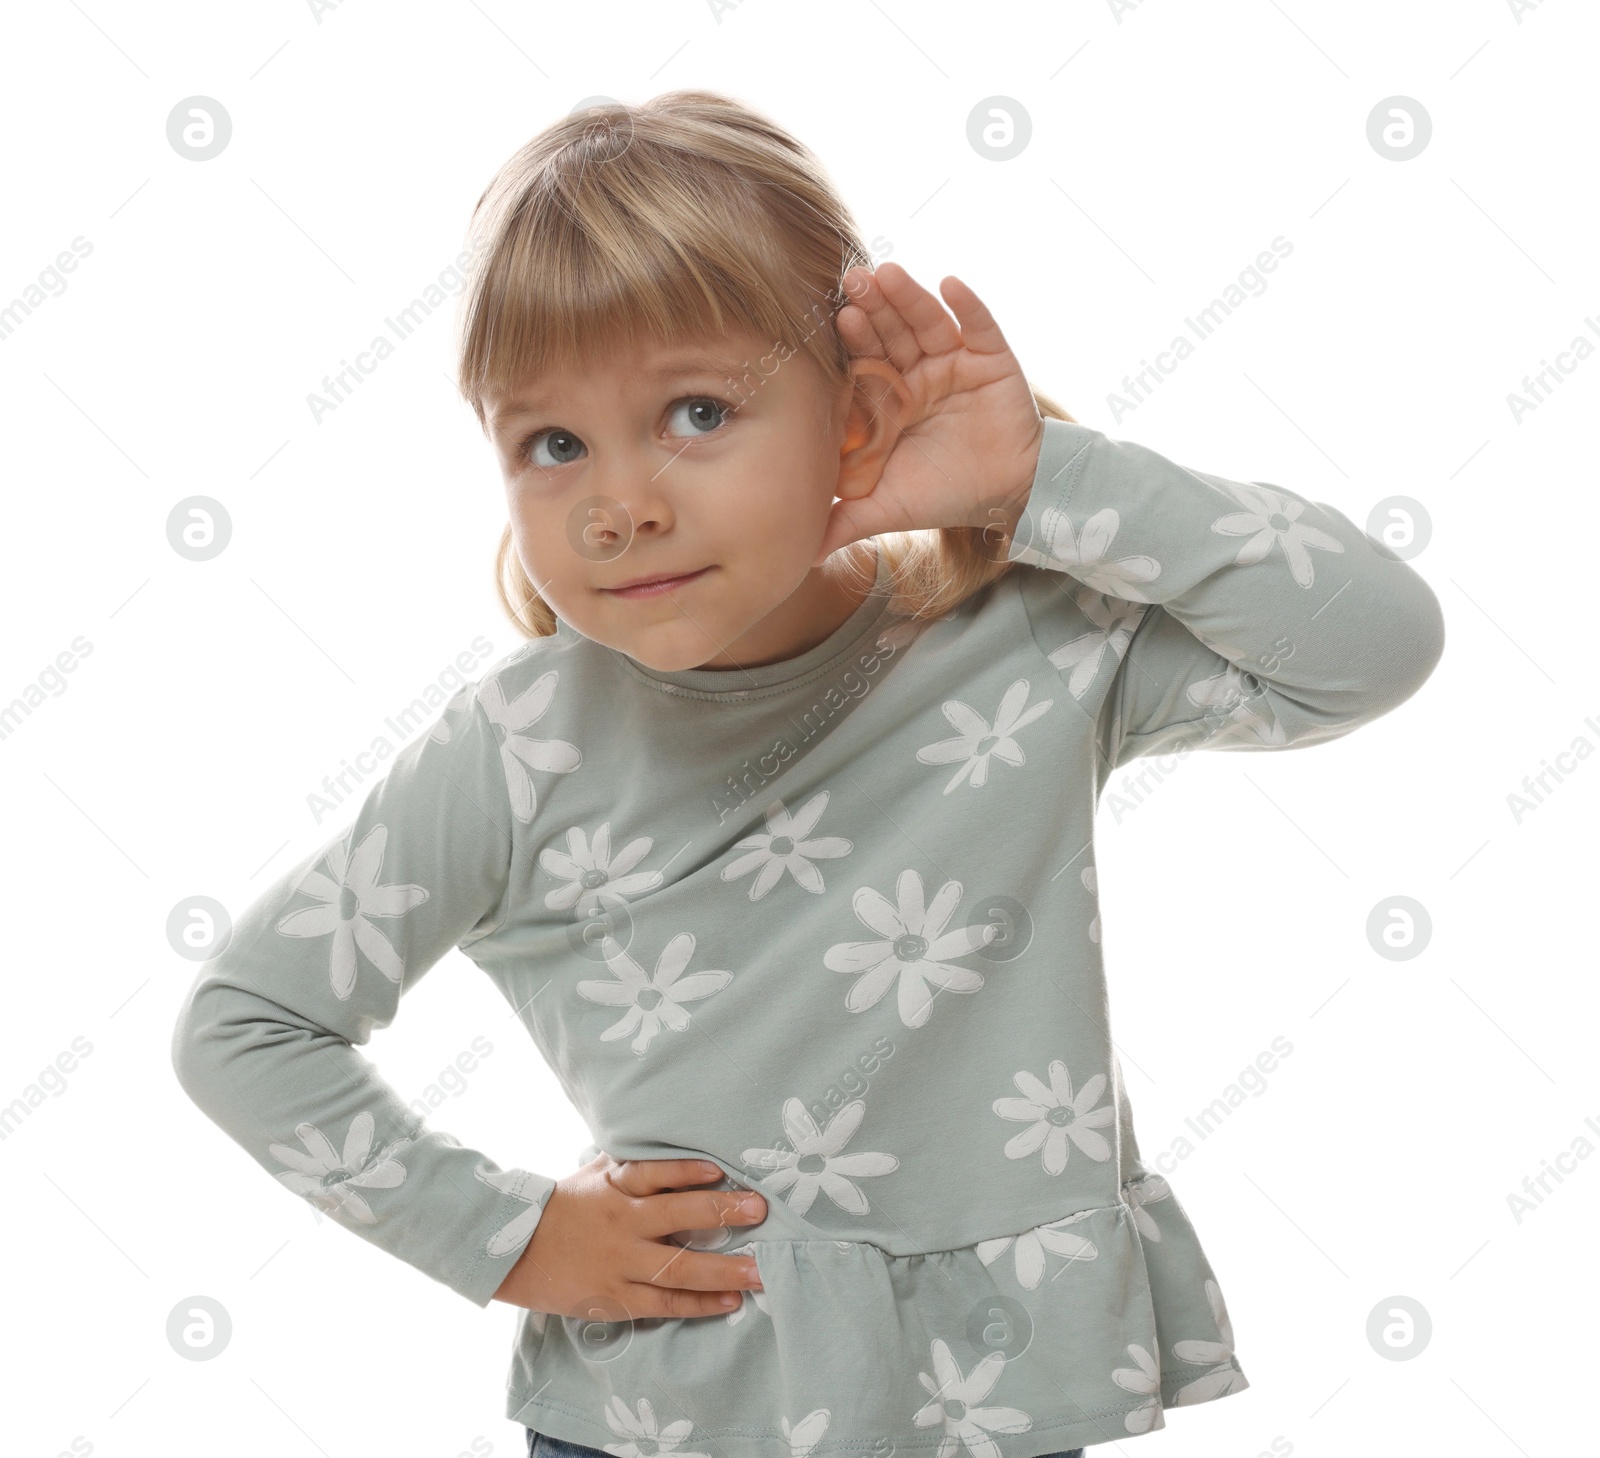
<point x="1061" y="460"/>
<point x="503" y="1233"/>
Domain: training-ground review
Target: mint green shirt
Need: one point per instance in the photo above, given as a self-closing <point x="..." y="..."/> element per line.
<point x="830" y="922"/>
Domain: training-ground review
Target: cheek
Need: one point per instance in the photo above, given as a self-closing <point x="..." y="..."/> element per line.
<point x="561" y="560"/>
<point x="797" y="492"/>
<point x="524" y="537"/>
<point x="538" y="538"/>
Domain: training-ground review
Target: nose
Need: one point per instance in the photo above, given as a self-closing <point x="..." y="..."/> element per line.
<point x="632" y="500"/>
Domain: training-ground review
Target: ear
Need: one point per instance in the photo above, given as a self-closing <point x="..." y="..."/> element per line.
<point x="879" y="402"/>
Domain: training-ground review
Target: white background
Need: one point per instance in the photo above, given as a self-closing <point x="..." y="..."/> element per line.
<point x="1170" y="146"/>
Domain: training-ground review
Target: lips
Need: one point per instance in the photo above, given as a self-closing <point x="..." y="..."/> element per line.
<point x="648" y="586"/>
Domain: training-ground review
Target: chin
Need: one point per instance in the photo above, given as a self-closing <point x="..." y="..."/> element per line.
<point x="666" y="656"/>
<point x="662" y="663"/>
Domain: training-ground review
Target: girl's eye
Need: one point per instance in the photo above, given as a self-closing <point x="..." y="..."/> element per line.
<point x="563" y="446"/>
<point x="557" y="447"/>
<point x="705" y="414"/>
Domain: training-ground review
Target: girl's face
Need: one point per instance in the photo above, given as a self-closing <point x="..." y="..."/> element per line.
<point x="718" y="458"/>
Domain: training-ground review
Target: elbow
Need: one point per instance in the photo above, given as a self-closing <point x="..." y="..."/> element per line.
<point x="1415" y="644"/>
<point x="188" y="1042"/>
<point x="225" y="1030"/>
<point x="1388" y="648"/>
<point x="197" y="1049"/>
<point x="1395" y="649"/>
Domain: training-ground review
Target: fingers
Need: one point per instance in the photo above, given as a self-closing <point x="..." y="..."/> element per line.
<point x="641" y="1300"/>
<point x="601" y="1242"/>
<point x="666" y="1213"/>
<point x="908" y="319"/>
<point x="665" y="1203"/>
<point x="978" y="328"/>
<point x="694" y="1283"/>
<point x="897" y="342"/>
<point x="935" y="331"/>
<point x="677" y="1268"/>
<point x="650" y="1176"/>
<point x="644" y="1302"/>
<point x="860" y="338"/>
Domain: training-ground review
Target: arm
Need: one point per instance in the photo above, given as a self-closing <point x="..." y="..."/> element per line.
<point x="1226" y="615"/>
<point x="264" y="1041"/>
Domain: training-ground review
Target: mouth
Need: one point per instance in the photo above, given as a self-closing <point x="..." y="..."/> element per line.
<point x="655" y="586"/>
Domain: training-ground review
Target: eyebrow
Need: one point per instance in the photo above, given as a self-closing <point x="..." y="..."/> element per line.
<point x="688" y="364"/>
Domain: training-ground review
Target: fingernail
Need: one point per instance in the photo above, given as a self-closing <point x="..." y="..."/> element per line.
<point x="728" y="1300"/>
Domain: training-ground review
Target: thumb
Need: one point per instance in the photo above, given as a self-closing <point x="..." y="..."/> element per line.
<point x="851" y="521"/>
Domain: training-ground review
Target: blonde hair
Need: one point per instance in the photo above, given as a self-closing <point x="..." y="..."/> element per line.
<point x="678" y="218"/>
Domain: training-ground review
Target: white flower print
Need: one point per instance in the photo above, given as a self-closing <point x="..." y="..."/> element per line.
<point x="975" y="741"/>
<point x="1246" y="715"/>
<point x="1114" y="621"/>
<point x="787" y="846"/>
<point x="639" y="1434"/>
<point x="1145" y="1192"/>
<point x="806" y="1433"/>
<point x="1273" y="518"/>
<point x="814" y="1162"/>
<point x="330" y="1180"/>
<point x="911" y="949"/>
<point x="954" y="1401"/>
<point x="350" y="897"/>
<point x="1146" y="1380"/>
<point x="442" y="733"/>
<point x="1223" y="1377"/>
<point x="1091" y="884"/>
<point x="1054" y="1116"/>
<point x="1032" y="1245"/>
<point x="520" y="752"/>
<point x="1084" y="556"/>
<point x="655" y="1000"/>
<point x="759" y="1297"/>
<point x="517" y="1230"/>
<point x="595" y="878"/>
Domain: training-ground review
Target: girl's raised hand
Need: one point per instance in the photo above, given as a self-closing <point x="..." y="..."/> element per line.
<point x="967" y="432"/>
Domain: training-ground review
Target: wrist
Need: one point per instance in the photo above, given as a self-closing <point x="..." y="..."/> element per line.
<point x="1014" y="500"/>
<point x="1028" y="471"/>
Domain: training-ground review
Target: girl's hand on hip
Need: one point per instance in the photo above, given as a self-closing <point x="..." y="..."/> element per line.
<point x="600" y="1250"/>
<point x="968" y="431"/>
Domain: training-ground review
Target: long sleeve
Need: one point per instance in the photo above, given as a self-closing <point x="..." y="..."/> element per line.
<point x="263" y="1043"/>
<point x="1196" y="612"/>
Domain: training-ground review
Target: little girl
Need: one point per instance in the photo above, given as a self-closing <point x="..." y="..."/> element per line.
<point x="836" y="629"/>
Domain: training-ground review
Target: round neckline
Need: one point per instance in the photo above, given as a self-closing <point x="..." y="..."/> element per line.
<point x="767" y="678"/>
